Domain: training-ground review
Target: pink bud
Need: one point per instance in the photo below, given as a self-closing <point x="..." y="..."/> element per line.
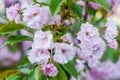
<point x="50" y="70"/>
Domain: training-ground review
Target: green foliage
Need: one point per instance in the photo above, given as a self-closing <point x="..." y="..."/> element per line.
<point x="112" y="54"/>
<point x="118" y="39"/>
<point x="67" y="2"/>
<point x="61" y="74"/>
<point x="39" y="74"/>
<point x="32" y="72"/>
<point x="75" y="27"/>
<point x="10" y="28"/>
<point x="104" y="3"/>
<point x="46" y="27"/>
<point x="48" y="1"/>
<point x="14" y="78"/>
<point x="16" y="39"/>
<point x="70" y="68"/>
<point x="24" y="70"/>
<point x="90" y="10"/>
<point x="4" y="74"/>
<point x="25" y="62"/>
<point x="77" y="9"/>
<point x="31" y="76"/>
<point x="55" y="6"/>
<point x="60" y="32"/>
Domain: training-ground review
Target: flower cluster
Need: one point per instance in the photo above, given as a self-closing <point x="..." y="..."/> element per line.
<point x="43" y="43"/>
<point x="36" y="17"/>
<point x="40" y="46"/>
<point x="91" y="44"/>
<point x="111" y="33"/>
<point x="13" y="13"/>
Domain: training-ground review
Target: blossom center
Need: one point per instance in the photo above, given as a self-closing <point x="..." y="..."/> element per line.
<point x="87" y="33"/>
<point x="45" y="39"/>
<point x="64" y="51"/>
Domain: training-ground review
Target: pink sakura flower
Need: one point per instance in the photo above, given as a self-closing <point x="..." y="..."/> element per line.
<point x="25" y="3"/>
<point x="98" y="46"/>
<point x="50" y="70"/>
<point x="9" y="2"/>
<point x="43" y="40"/>
<point x="90" y="38"/>
<point x="113" y="44"/>
<point x="110" y="33"/>
<point x="91" y="4"/>
<point x="41" y="43"/>
<point x="67" y="38"/>
<point x="93" y="60"/>
<point x="80" y="65"/>
<point x="33" y="17"/>
<point x="39" y="56"/>
<point x="36" y="17"/>
<point x="111" y="30"/>
<point x="91" y="45"/>
<point x="63" y="53"/>
<point x="87" y="32"/>
<point x="92" y="52"/>
<point x="13" y="14"/>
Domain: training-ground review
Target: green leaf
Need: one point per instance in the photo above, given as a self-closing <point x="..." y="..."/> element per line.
<point x="90" y="10"/>
<point x="118" y="40"/>
<point x="67" y="2"/>
<point x="24" y="62"/>
<point x="112" y="54"/>
<point x="64" y="30"/>
<point x="104" y="57"/>
<point x="24" y="70"/>
<point x="4" y="74"/>
<point x="70" y="68"/>
<point x="39" y="74"/>
<point x="46" y="27"/>
<point x="104" y="3"/>
<point x="32" y="72"/>
<point x="48" y="1"/>
<point x="31" y="76"/>
<point x="61" y="74"/>
<point x="75" y="27"/>
<point x="17" y="38"/>
<point x="55" y="6"/>
<point x="42" y="76"/>
<point x="15" y="78"/>
<point x="60" y="32"/>
<point x="10" y="28"/>
<point x="77" y="9"/>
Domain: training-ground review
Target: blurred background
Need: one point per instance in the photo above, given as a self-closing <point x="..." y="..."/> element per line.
<point x="11" y="56"/>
